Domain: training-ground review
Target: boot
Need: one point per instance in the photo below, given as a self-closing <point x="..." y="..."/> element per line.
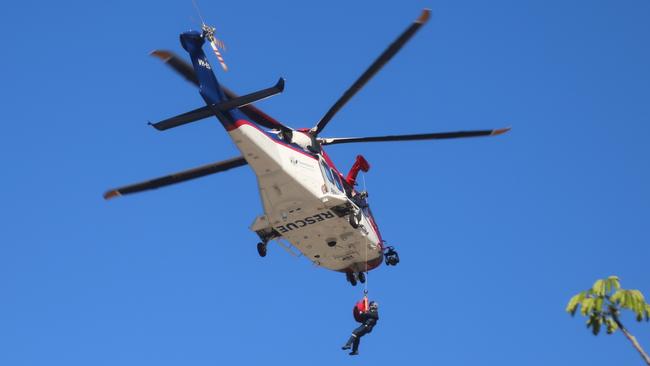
<point x="348" y="344"/>
<point x="354" y="353"/>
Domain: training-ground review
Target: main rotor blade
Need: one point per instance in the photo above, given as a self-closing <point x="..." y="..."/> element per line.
<point x="177" y="177"/>
<point x="187" y="71"/>
<point x="422" y="136"/>
<point x="372" y="70"/>
<point x="178" y="64"/>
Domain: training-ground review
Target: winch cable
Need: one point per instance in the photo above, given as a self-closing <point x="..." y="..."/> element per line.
<point x="365" y="285"/>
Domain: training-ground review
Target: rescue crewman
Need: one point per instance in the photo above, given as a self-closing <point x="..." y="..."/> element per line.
<point x="368" y="320"/>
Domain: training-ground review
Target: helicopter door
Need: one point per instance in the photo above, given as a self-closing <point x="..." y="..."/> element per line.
<point x="332" y="179"/>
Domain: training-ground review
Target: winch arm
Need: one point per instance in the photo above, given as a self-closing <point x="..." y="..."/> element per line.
<point x="360" y="164"/>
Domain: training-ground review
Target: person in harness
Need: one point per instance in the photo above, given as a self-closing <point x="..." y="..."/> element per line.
<point x="367" y="314"/>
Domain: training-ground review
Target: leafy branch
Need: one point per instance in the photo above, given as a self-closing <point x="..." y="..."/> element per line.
<point x="602" y="305"/>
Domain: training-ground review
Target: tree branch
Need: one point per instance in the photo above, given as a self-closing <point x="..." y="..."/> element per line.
<point x="632" y="339"/>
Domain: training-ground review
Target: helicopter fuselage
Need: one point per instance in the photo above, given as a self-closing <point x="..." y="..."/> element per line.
<point x="306" y="204"/>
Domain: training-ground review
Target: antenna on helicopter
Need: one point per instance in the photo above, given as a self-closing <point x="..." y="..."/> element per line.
<point x="208" y="33"/>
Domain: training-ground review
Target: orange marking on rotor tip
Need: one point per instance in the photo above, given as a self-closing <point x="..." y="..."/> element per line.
<point x="424" y="17"/>
<point x="163" y="55"/>
<point x="111" y="194"/>
<point x="500" y="131"/>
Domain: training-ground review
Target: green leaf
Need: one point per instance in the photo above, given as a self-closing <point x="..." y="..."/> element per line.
<point x="629" y="300"/>
<point x="572" y="306"/>
<point x="598" y="304"/>
<point x="587" y="305"/>
<point x="625" y="298"/>
<point x="617" y="298"/>
<point x="639" y="304"/>
<point x="637" y="295"/>
<point x="614" y="282"/>
<point x="599" y="288"/>
<point x="611" y="325"/>
<point x="632" y="300"/>
<point x="614" y="325"/>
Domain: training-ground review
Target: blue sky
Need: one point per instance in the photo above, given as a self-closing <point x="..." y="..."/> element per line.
<point x="495" y="234"/>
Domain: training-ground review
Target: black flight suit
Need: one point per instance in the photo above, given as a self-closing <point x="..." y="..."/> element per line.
<point x="369" y="320"/>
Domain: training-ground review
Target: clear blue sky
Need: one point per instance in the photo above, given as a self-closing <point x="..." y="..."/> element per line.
<point x="495" y="234"/>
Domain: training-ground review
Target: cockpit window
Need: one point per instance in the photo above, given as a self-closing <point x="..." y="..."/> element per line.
<point x="337" y="181"/>
<point x="328" y="174"/>
<point x="333" y="177"/>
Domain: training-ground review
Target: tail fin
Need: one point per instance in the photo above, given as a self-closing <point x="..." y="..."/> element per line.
<point x="209" y="87"/>
<point x="225" y="108"/>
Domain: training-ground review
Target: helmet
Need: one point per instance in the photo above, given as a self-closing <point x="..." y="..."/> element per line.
<point x="374" y="305"/>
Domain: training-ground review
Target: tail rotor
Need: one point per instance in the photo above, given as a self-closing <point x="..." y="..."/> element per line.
<point x="208" y="33"/>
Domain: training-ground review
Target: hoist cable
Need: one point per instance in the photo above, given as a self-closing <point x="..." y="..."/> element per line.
<point x="365" y="285"/>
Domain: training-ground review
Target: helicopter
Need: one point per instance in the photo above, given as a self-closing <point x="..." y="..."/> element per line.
<point x="306" y="200"/>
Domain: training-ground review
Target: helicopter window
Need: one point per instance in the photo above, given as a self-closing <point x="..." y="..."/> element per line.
<point x="328" y="174"/>
<point x="337" y="180"/>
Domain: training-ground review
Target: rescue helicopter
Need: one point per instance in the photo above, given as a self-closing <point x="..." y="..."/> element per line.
<point x="306" y="200"/>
